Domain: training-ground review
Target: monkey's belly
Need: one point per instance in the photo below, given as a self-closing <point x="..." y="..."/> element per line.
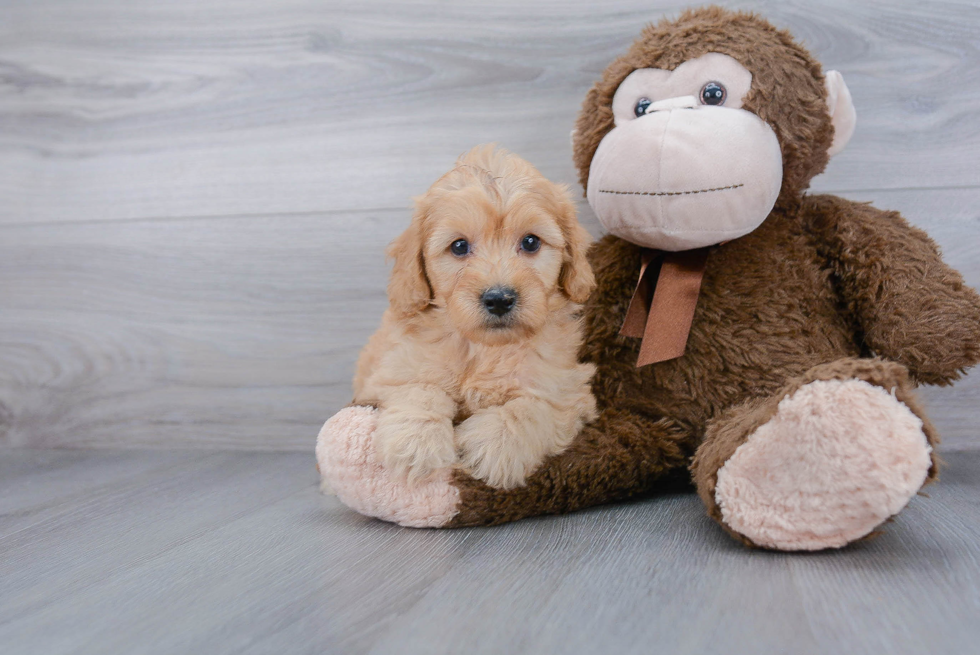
<point x="767" y="312"/>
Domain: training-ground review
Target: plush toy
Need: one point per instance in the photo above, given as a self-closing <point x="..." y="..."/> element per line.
<point x="762" y="342"/>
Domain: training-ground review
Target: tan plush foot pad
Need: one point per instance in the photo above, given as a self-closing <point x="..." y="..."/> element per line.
<point x="837" y="459"/>
<point x="349" y="467"/>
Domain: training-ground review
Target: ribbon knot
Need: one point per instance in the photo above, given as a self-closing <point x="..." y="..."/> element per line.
<point x="662" y="308"/>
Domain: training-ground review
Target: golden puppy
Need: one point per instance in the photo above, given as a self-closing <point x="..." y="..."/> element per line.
<point x="482" y="331"/>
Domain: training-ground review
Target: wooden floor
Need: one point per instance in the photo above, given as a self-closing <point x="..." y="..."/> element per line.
<point x="195" y="196"/>
<point x="235" y="552"/>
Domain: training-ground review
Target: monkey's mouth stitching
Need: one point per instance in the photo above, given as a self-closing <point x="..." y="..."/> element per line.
<point x="669" y="193"/>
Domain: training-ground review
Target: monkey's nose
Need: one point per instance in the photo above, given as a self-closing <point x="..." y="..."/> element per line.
<point x="680" y="102"/>
<point x="499" y="300"/>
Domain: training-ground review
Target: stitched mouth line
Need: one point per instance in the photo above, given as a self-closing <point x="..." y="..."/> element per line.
<point x="669" y="193"/>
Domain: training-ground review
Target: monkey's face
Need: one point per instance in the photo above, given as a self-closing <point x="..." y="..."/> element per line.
<point x="685" y="165"/>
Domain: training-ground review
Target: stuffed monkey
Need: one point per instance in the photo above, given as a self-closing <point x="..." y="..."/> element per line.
<point x="758" y="341"/>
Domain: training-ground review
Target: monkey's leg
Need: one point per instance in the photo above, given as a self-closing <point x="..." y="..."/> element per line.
<point x="619" y="455"/>
<point x="823" y="462"/>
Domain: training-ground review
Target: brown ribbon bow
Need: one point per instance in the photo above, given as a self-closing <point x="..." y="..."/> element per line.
<point x="663" y="304"/>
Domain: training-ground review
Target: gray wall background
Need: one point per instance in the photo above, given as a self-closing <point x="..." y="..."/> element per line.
<point x="195" y="196"/>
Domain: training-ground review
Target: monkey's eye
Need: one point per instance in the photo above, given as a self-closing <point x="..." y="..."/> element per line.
<point x="460" y="247"/>
<point x="713" y="93"/>
<point x="530" y="243"/>
<point x="641" y="106"/>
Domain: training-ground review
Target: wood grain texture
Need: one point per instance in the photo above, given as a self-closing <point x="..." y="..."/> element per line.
<point x="237" y="332"/>
<point x="195" y="196"/>
<point x="115" y="109"/>
<point x="33" y="481"/>
<point x="238" y="553"/>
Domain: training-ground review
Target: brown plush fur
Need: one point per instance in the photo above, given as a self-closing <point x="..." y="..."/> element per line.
<point x="824" y="289"/>
<point x="512" y="383"/>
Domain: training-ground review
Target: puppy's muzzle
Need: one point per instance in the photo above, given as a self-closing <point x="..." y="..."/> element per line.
<point x="498" y="301"/>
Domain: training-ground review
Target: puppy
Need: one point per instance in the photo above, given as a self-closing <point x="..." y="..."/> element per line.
<point x="482" y="332"/>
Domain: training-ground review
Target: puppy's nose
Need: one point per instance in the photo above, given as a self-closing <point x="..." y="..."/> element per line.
<point x="499" y="300"/>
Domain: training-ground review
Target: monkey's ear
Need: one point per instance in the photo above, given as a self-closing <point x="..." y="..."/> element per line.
<point x="408" y="288"/>
<point x="842" y="114"/>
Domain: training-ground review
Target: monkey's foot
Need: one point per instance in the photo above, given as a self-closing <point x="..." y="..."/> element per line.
<point x="837" y="459"/>
<point x="351" y="469"/>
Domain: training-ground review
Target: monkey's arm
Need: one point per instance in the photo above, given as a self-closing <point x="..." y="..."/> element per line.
<point x="910" y="306"/>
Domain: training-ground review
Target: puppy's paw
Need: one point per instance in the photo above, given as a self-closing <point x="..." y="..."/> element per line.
<point x="414" y="444"/>
<point x="494" y="452"/>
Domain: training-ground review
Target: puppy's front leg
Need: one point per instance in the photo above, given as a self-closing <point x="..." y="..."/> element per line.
<point x="414" y="434"/>
<point x="504" y="444"/>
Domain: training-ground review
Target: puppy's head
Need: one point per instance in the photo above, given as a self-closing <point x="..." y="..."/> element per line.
<point x="495" y="244"/>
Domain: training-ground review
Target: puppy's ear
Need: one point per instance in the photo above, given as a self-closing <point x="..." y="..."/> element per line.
<point x="409" y="291"/>
<point x="576" y="280"/>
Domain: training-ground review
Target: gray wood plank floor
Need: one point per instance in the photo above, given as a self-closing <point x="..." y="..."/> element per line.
<point x="195" y="195"/>
<point x="220" y="552"/>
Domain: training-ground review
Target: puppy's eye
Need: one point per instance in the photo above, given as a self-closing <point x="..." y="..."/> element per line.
<point x="530" y="243"/>
<point x="641" y="105"/>
<point x="713" y="93"/>
<point x="460" y="247"/>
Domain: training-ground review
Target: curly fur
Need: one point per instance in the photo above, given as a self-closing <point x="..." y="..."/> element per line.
<point x="456" y="385"/>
